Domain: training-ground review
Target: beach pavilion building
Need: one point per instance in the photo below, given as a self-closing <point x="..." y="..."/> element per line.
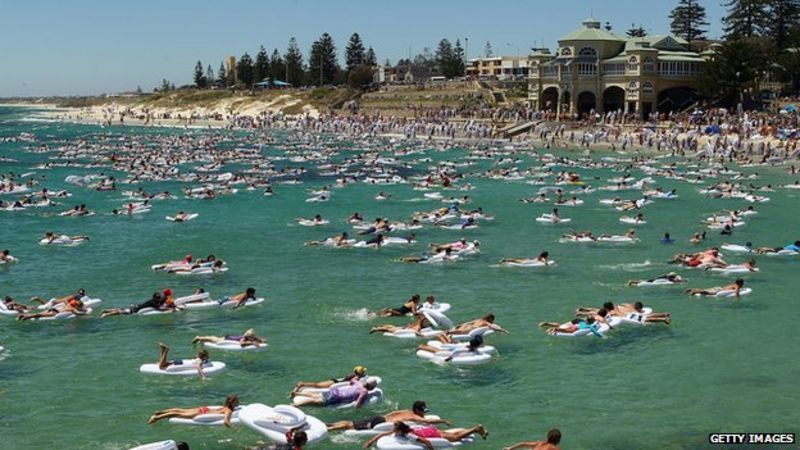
<point x="596" y="70"/>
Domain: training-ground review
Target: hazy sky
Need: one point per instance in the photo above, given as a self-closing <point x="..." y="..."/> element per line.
<point x="74" y="47"/>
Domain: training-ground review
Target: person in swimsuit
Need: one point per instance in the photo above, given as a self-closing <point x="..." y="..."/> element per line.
<point x="10" y="305"/>
<point x="423" y="434"/>
<point x="376" y="241"/>
<point x="202" y="358"/>
<point x="356" y="392"/>
<point x="296" y="438"/>
<point x="410" y="306"/>
<point x="73" y="306"/>
<point x="416" y="414"/>
<point x="6" y="256"/>
<point x="158" y="302"/>
<point x="571" y="327"/>
<point x="736" y="287"/>
<point x="61" y="300"/>
<point x="241" y="299"/>
<point x="473" y="346"/>
<point x="626" y="309"/>
<point x="358" y="373"/>
<point x="553" y="439"/>
<point x="230" y="405"/>
<point x="671" y="277"/>
<point x="486" y="321"/>
<point x="249" y="338"/>
<point x="416" y="326"/>
<point x="542" y="258"/>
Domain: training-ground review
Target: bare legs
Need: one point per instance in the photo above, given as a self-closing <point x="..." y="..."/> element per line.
<point x="162" y="358"/>
<point x="214" y="339"/>
<point x="320" y="385"/>
<point x="341" y="425"/>
<point x="455" y="436"/>
<point x="190" y="413"/>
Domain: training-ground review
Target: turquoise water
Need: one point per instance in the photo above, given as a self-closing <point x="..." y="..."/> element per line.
<point x="722" y="366"/>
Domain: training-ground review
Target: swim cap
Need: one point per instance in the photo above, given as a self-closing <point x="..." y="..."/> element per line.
<point x="359" y="370"/>
<point x="167" y="292"/>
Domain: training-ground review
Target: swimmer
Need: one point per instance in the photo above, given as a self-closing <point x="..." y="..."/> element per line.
<point x="231" y="403"/>
<point x="422" y="434"/>
<point x="416" y="414"/>
<point x="240" y="299"/>
<point x="416" y="326"/>
<point x="249" y="338"/>
<point x="202" y="358"/>
<point x="409" y="307"/>
<point x="358" y="373"/>
<point x="736" y="287"/>
<point x="356" y="392"/>
<point x="553" y="439"/>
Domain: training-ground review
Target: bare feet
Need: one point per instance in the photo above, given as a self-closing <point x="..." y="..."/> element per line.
<point x="163" y="346"/>
<point x="482" y="431"/>
<point x="152" y="419"/>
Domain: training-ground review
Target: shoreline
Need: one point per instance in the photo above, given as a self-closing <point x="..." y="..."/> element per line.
<point x="583" y="137"/>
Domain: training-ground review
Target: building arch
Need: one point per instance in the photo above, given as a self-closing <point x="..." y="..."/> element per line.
<point x="549" y="99"/>
<point x="587" y="51"/>
<point x="676" y="98"/>
<point x="613" y="99"/>
<point x="587" y="102"/>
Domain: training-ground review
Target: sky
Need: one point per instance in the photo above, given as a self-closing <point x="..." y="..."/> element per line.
<point x="89" y="47"/>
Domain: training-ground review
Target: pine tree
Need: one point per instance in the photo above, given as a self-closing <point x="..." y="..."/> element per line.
<point x="736" y="69"/>
<point x="322" y="65"/>
<point x="222" y="76"/>
<point x="636" y="32"/>
<point x="277" y="68"/>
<point x="447" y="60"/>
<point x="209" y="76"/>
<point x="487" y="50"/>
<point x="199" y="75"/>
<point x="244" y="70"/>
<point x="370" y="59"/>
<point x="784" y="14"/>
<point x="745" y="18"/>
<point x="261" y="66"/>
<point x="354" y="52"/>
<point x="294" y="64"/>
<point x="689" y="20"/>
<point x="458" y="64"/>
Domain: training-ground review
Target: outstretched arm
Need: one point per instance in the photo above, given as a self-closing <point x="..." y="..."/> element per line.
<point x="521" y="445"/>
<point x="361" y="397"/>
<point x="228" y="414"/>
<point x="200" y="369"/>
<point x="499" y="329"/>
<point x="375" y="438"/>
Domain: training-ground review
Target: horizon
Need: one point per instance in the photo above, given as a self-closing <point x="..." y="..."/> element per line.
<point x="91" y="47"/>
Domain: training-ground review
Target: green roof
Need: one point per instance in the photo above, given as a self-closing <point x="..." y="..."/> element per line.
<point x="591" y="31"/>
<point x="680" y="57"/>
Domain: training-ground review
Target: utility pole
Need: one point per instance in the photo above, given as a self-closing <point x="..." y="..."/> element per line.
<point x="320" y="68"/>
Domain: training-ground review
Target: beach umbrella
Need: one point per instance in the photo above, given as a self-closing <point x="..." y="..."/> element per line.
<point x="790" y="108"/>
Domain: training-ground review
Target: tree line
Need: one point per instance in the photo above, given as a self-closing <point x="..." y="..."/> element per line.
<point x="320" y="68"/>
<point x="761" y="42"/>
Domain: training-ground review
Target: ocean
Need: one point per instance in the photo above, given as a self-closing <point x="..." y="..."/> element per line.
<point x="723" y="365"/>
